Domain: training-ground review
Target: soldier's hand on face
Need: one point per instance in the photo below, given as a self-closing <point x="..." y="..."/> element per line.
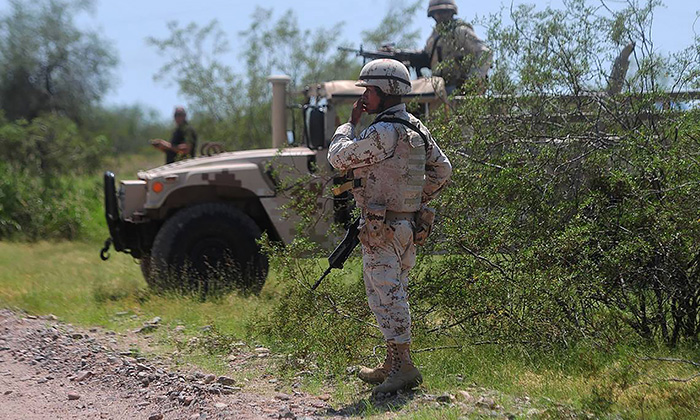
<point x="357" y="109"/>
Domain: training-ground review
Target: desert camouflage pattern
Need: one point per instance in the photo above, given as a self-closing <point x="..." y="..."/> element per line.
<point x="435" y="5"/>
<point x="385" y="272"/>
<point x="398" y="176"/>
<point x="389" y="75"/>
<point x="391" y="160"/>
<point x="456" y="40"/>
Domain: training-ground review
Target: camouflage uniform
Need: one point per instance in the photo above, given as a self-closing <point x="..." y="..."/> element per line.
<point x="456" y="40"/>
<point x="395" y="173"/>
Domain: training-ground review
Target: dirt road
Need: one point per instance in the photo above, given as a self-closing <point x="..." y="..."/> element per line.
<point x="50" y="370"/>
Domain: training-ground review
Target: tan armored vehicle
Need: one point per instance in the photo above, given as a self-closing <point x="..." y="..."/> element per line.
<point x="196" y="222"/>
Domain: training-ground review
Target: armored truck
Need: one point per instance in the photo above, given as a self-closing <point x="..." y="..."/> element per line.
<point x="198" y="221"/>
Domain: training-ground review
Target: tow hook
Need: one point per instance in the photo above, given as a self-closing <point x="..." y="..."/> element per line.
<point x="104" y="254"/>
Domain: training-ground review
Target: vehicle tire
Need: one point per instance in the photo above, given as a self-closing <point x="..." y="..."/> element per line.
<point x="145" y="263"/>
<point x="208" y="249"/>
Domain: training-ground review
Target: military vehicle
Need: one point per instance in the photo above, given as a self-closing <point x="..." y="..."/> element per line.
<point x="197" y="221"/>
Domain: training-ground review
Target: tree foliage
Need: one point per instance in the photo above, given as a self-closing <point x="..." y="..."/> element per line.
<point x="47" y="64"/>
<point x="395" y="28"/>
<point x="234" y="108"/>
<point x="572" y="212"/>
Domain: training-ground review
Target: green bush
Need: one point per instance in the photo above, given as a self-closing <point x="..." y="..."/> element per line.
<point x="31" y="210"/>
<point x="47" y="190"/>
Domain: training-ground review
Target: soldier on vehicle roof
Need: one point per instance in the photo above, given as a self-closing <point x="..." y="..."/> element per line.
<point x="455" y="44"/>
<point x="182" y="143"/>
<point x="397" y="169"/>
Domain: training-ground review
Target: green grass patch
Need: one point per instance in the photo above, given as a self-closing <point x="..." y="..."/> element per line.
<point x="69" y="280"/>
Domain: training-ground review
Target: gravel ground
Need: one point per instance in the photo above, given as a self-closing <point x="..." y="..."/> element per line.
<point x="50" y="370"/>
<point x="53" y="370"/>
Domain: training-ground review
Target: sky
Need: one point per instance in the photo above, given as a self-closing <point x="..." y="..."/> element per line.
<point x="127" y="24"/>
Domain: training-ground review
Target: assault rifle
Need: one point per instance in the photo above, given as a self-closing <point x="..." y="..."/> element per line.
<point x="342" y="252"/>
<point x="415" y="59"/>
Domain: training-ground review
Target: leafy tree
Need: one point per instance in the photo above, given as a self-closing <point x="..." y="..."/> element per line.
<point x="572" y="212"/>
<point x="126" y="127"/>
<point x="235" y="109"/>
<point x="395" y="28"/>
<point x="47" y="64"/>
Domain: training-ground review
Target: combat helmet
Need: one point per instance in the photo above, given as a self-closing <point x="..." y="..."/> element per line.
<point x="390" y="76"/>
<point x="436" y="5"/>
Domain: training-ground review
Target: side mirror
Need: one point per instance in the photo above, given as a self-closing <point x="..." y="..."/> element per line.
<point x="314" y="127"/>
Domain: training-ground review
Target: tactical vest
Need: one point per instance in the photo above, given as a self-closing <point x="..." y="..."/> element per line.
<point x="395" y="183"/>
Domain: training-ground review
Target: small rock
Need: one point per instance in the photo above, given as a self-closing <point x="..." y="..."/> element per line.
<point x="156" y="416"/>
<point x="262" y="350"/>
<point x="209" y="379"/>
<point x="141" y="367"/>
<point x="282" y="396"/>
<point x="123" y="313"/>
<point x="324" y="397"/>
<point x="146" y="329"/>
<point x="155" y="320"/>
<point x="8" y="392"/>
<point x="444" y="398"/>
<point x="178" y="329"/>
<point x="220" y="405"/>
<point x="225" y="380"/>
<point x="465" y="397"/>
<point x="31" y="317"/>
<point x="486" y="402"/>
<point x="76" y="336"/>
<point x="73" y="396"/>
<point x="83" y="376"/>
<point x="533" y="412"/>
<point x="205" y="328"/>
<point x="286" y="413"/>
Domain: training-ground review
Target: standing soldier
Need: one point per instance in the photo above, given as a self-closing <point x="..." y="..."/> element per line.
<point x="397" y="169"/>
<point x="455" y="43"/>
<point x="182" y="143"/>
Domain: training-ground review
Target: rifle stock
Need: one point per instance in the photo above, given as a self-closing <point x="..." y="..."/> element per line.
<point x="342" y="252"/>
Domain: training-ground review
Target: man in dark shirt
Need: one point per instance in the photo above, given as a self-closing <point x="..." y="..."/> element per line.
<point x="182" y="144"/>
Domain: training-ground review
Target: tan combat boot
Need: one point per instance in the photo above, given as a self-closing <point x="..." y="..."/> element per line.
<point x="403" y="374"/>
<point x="378" y="374"/>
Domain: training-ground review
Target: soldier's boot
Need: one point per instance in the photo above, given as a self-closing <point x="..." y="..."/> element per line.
<point x="403" y="374"/>
<point x="378" y="374"/>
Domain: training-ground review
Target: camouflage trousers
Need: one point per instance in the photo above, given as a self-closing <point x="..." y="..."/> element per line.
<point x="385" y="271"/>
